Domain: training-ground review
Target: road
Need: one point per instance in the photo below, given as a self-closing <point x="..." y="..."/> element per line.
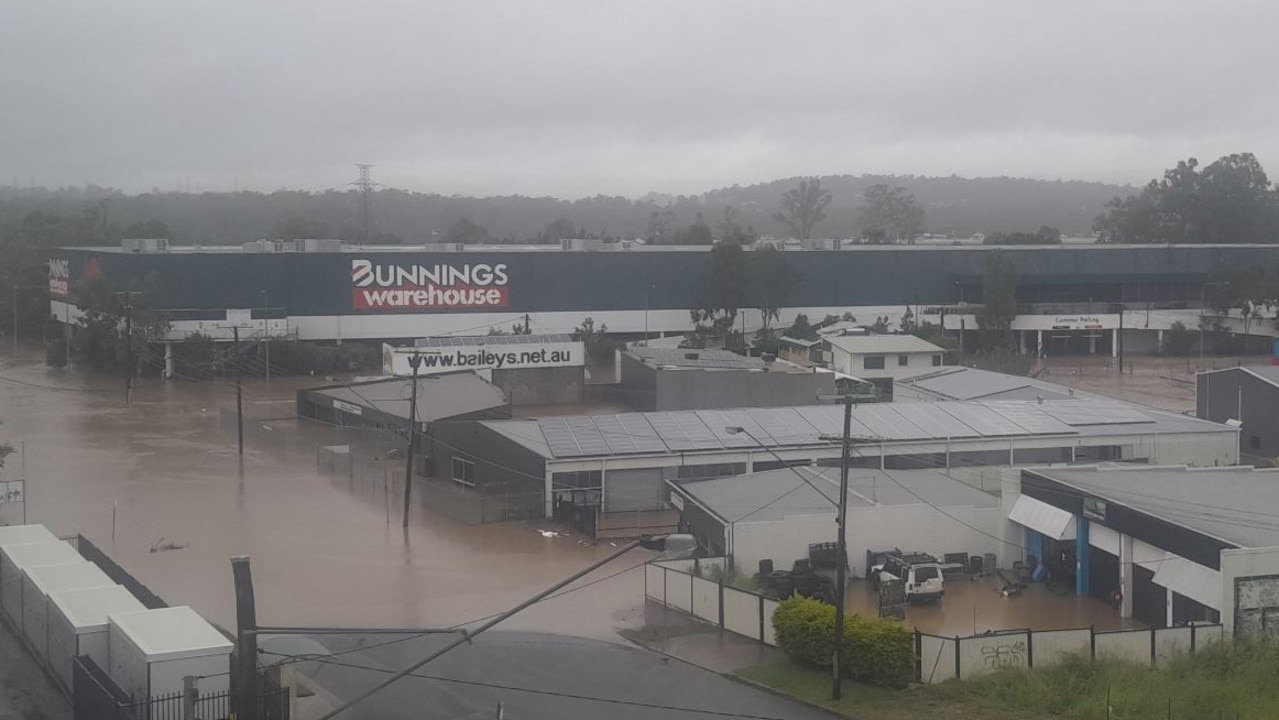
<point x="534" y="676"/>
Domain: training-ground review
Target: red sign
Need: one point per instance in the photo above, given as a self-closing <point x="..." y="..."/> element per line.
<point x="392" y="287"/>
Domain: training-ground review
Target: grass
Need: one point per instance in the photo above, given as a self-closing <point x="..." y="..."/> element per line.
<point x="1226" y="681"/>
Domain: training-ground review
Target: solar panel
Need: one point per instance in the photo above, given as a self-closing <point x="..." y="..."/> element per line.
<point x="628" y="433"/>
<point x="719" y="420"/>
<point x="936" y="424"/>
<point x="683" y="431"/>
<point x="985" y="421"/>
<point x="1094" y="412"/>
<point x="587" y="435"/>
<point x="1030" y="418"/>
<point x="559" y="438"/>
<point x="786" y="426"/>
<point x="882" y="421"/>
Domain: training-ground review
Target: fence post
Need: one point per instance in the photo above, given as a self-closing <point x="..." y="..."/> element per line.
<point x="1152" y="646"/>
<point x="956" y="657"/>
<point x="761" y="617"/>
<point x="1092" y="642"/>
<point x="189" y="694"/>
<point x="664" y="583"/>
<point x="1192" y="638"/>
<point x="919" y="656"/>
<point x="1030" y="649"/>
<point x="721" y="606"/>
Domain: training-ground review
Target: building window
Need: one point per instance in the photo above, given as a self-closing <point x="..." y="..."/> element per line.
<point x="689" y="472"/>
<point x="937" y="361"/>
<point x="903" y="360"/>
<point x="464" y="471"/>
<point x="578" y="480"/>
<point x="873" y="362"/>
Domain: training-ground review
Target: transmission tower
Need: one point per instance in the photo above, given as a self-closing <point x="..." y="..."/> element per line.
<point x="365" y="185"/>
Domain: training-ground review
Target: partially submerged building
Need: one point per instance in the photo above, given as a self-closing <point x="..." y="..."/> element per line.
<point x="655" y="379"/>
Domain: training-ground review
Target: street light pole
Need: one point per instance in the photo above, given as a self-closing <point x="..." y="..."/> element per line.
<point x="415" y="360"/>
<point x="266" y="337"/>
<point x="841" y="577"/>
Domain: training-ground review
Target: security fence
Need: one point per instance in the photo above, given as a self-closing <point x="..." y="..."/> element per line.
<point x="97" y="697"/>
<point x="696" y="587"/>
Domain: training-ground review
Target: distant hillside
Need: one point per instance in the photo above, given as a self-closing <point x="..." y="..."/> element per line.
<point x="958" y="206"/>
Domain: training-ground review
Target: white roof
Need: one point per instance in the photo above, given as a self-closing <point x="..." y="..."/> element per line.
<point x="87" y="608"/>
<point x="70" y="576"/>
<point x="1199" y="583"/>
<point x="42" y="553"/>
<point x="885" y="344"/>
<point x="24" y="534"/>
<point x="1043" y="518"/>
<point x="171" y="633"/>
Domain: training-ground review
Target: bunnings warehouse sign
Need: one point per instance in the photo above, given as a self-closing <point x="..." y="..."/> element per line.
<point x="490" y="356"/>
<point x="393" y="287"/>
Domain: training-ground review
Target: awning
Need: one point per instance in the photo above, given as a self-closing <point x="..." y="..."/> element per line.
<point x="1043" y="518"/>
<point x="1199" y="583"/>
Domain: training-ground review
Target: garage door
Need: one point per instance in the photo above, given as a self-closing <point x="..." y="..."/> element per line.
<point x="632" y="490"/>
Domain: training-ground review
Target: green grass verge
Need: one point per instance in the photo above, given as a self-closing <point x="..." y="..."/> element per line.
<point x="1225" y="681"/>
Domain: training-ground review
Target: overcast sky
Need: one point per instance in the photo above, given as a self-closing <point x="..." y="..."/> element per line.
<point x="545" y="97"/>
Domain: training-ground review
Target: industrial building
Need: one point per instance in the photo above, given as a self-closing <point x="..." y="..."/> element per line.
<point x="1177" y="545"/>
<point x="881" y="359"/>
<point x="683" y="379"/>
<point x="385" y="403"/>
<point x="777" y="514"/>
<point x="971" y="384"/>
<point x="1072" y="298"/>
<point x="621" y="462"/>
<point x="1247" y="397"/>
<point x="529" y="369"/>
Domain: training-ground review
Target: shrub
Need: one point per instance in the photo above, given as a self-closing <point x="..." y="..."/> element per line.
<point x="877" y="652"/>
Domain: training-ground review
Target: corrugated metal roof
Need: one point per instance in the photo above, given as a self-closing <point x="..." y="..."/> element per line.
<point x="438" y="397"/>
<point x="491" y="340"/>
<point x="963" y="383"/>
<point x="882" y="344"/>
<point x="680" y="357"/>
<point x="1043" y="518"/>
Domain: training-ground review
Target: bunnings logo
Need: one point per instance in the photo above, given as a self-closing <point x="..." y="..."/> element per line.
<point x="427" y="287"/>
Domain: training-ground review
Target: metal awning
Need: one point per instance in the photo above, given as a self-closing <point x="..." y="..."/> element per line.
<point x="1043" y="518"/>
<point x="1199" y="583"/>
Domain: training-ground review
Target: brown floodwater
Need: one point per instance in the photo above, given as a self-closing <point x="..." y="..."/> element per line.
<point x="323" y="552"/>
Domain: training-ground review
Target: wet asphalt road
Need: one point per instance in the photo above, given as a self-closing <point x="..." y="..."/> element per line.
<point x="535" y="677"/>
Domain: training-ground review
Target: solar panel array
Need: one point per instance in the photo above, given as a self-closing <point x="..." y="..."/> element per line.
<point x="490" y="340"/>
<point x="692" y="430"/>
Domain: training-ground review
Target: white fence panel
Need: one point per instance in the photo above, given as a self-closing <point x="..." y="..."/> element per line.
<point x="1206" y="635"/>
<point x="679" y="591"/>
<point x="1170" y="642"/>
<point x="654" y="582"/>
<point x="1127" y="645"/>
<point x="1052" y="646"/>
<point x="936" y="659"/>
<point x="770" y="633"/>
<point x="706" y="600"/>
<point x="987" y="653"/>
<point x="741" y="613"/>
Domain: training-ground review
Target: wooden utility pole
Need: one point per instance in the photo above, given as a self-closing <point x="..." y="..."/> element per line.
<point x="128" y="346"/>
<point x="415" y="361"/>
<point x="239" y="392"/>
<point x="246" y="620"/>
<point x="841" y="578"/>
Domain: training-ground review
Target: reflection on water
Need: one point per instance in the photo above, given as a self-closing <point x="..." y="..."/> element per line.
<point x="324" y="552"/>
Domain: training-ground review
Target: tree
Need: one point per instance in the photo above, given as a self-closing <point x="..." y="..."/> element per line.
<point x="801" y="329"/>
<point x="999" y="300"/>
<point x="891" y="214"/>
<point x="803" y="207"/>
<point x="908" y="324"/>
<point x="698" y="233"/>
<point x="724" y="293"/>
<point x="467" y="233"/>
<point x="295" y="228"/>
<point x="1046" y="235"/>
<point x="1229" y="201"/>
<point x="770" y="279"/>
<point x="880" y="326"/>
<point x="731" y="231"/>
<point x="557" y="230"/>
<point x="661" y="227"/>
<point x="152" y="228"/>
<point x="102" y="340"/>
<point x="594" y="340"/>
<point x="5" y="451"/>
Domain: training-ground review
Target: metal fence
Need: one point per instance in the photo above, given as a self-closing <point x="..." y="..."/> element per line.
<point x="683" y="585"/>
<point x="97" y="697"/>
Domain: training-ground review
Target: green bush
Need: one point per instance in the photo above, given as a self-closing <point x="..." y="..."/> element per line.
<point x="877" y="652"/>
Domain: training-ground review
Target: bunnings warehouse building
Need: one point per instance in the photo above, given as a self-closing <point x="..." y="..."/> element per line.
<point x="1071" y="296"/>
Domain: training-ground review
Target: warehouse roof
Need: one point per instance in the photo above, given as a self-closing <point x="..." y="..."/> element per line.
<point x="692" y="430"/>
<point x="774" y="494"/>
<point x="885" y="344"/>
<point x="690" y="358"/>
<point x="438" y="397"/>
<point x="491" y="340"/>
<point x="964" y="383"/>
<point x="1235" y="504"/>
<point x="1269" y="373"/>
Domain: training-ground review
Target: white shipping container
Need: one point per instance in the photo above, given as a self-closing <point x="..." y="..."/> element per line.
<point x="150" y="651"/>
<point x="14" y="559"/>
<point x="78" y="626"/>
<point x="19" y="535"/>
<point x="41" y="580"/>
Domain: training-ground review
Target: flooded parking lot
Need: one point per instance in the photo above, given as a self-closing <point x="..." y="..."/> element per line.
<point x="323" y="553"/>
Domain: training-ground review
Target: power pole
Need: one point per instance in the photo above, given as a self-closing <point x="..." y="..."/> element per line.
<point x="365" y="185"/>
<point x="128" y="345"/>
<point x="246" y="619"/>
<point x="415" y="360"/>
<point x="15" y="319"/>
<point x="841" y="578"/>
<point x="266" y="337"/>
<point x="239" y="393"/>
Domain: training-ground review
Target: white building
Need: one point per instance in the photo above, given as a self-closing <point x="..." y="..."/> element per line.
<point x="881" y="359"/>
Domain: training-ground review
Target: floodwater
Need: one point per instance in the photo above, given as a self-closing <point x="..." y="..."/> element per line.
<point x="138" y="478"/>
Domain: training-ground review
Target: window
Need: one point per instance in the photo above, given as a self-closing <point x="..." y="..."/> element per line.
<point x="687" y="472"/>
<point x="873" y="362"/>
<point x="903" y="360"/>
<point x="578" y="480"/>
<point x="464" y="471"/>
<point x="924" y="573"/>
<point x="937" y="361"/>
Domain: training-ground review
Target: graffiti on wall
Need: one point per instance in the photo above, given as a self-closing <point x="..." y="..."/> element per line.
<point x="1004" y="655"/>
